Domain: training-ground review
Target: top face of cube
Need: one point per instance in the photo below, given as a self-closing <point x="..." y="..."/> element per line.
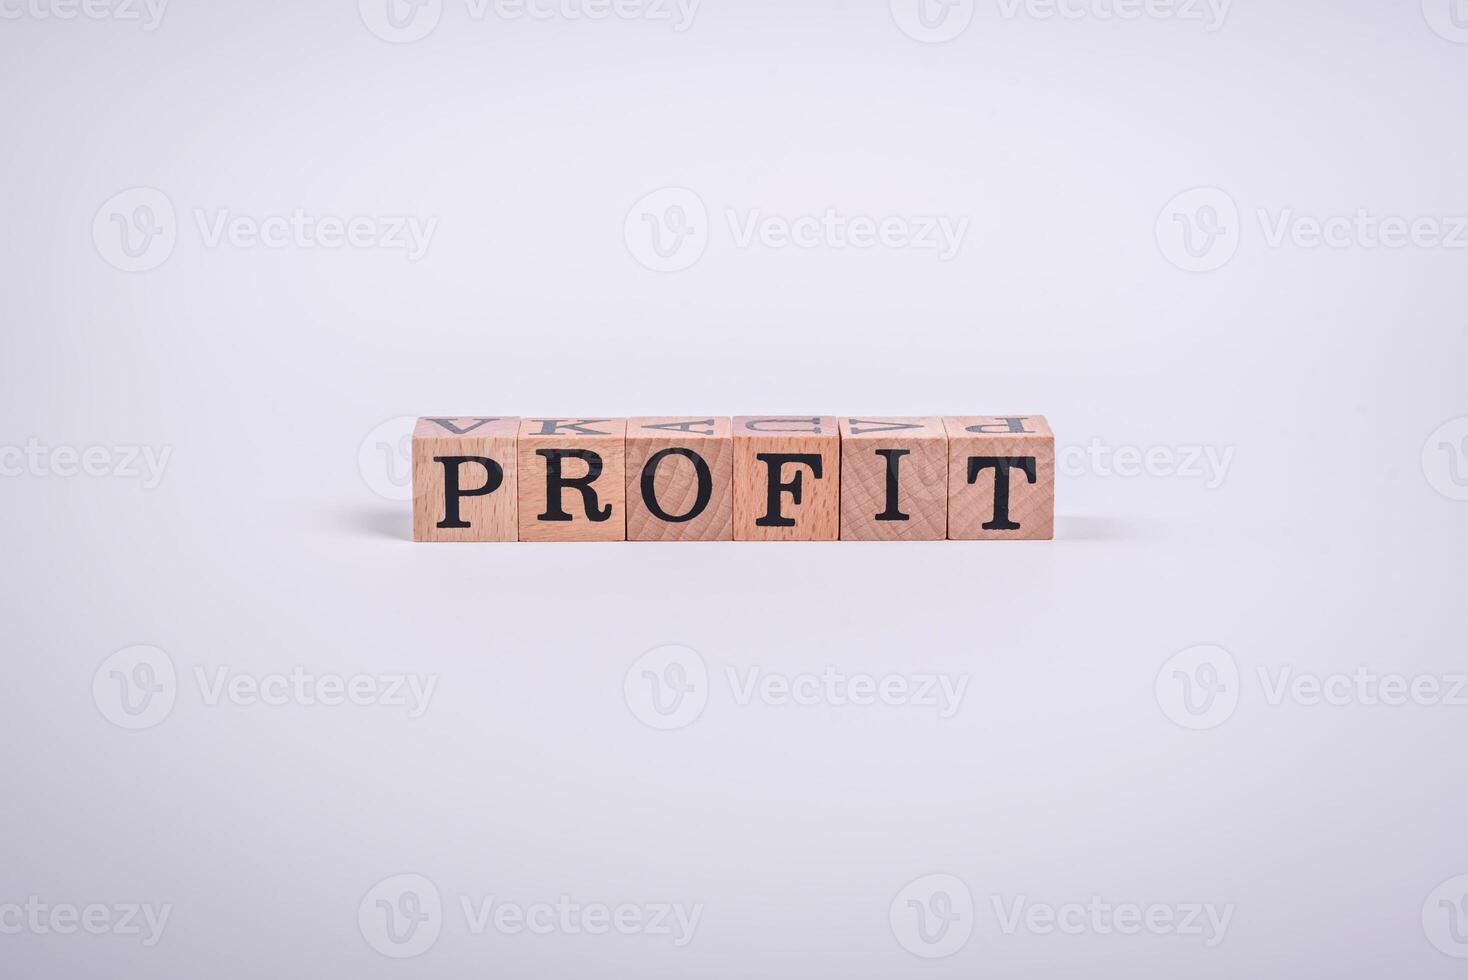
<point x="751" y="426"/>
<point x="470" y="426"/>
<point x="574" y="429"/>
<point x="679" y="427"/>
<point x="1003" y="426"/>
<point x="869" y="427"/>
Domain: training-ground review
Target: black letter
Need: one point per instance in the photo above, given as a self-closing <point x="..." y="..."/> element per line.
<point x="1001" y="466"/>
<point x="553" y="427"/>
<point x="894" y="459"/>
<point x="453" y="426"/>
<point x="686" y="426"/>
<point x="879" y="426"/>
<point x="555" y="483"/>
<point x="451" y="492"/>
<point x="1011" y="424"/>
<point x="649" y="487"/>
<point x="755" y="425"/>
<point x="775" y="461"/>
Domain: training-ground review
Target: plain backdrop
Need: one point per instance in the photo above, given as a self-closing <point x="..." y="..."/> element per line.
<point x="545" y="152"/>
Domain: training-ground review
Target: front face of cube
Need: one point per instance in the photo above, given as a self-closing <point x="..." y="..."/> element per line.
<point x="787" y="478"/>
<point x="573" y="479"/>
<point x="894" y="484"/>
<point x="1001" y="478"/>
<point x="465" y="478"/>
<point x="680" y="479"/>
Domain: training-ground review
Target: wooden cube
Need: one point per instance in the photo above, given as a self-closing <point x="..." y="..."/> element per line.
<point x="787" y="478"/>
<point x="1001" y="478"/>
<point x="680" y="479"/>
<point x="573" y="480"/>
<point x="464" y="479"/>
<point x="894" y="479"/>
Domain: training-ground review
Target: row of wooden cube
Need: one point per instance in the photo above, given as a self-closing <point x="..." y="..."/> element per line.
<point x="752" y="478"/>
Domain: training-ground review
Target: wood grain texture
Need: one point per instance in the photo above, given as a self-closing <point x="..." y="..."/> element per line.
<point x="816" y="516"/>
<point x="659" y="460"/>
<point x="578" y="447"/>
<point x="490" y="516"/>
<point x="918" y="452"/>
<point x="975" y="509"/>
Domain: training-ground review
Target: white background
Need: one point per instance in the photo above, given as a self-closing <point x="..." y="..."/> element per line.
<point x="1077" y="764"/>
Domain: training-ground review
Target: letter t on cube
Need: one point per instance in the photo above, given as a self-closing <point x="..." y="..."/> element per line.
<point x="1001" y="478"/>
